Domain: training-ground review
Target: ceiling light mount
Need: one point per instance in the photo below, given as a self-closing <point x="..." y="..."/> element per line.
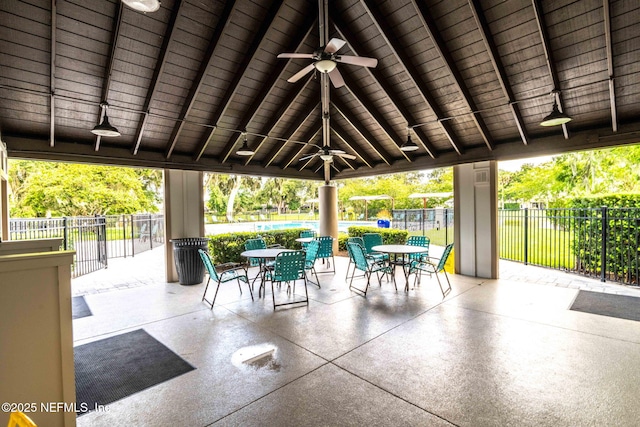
<point x="245" y="150"/>
<point x="105" y="128"/>
<point x="145" y="6"/>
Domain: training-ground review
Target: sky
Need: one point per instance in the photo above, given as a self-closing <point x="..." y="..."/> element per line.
<point x="514" y="165"/>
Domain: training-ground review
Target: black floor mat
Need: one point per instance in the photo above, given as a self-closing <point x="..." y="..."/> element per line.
<point x="116" y="367"/>
<point x="621" y="306"/>
<point x="79" y="308"/>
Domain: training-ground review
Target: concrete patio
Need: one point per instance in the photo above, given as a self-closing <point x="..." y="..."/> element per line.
<point x="492" y="353"/>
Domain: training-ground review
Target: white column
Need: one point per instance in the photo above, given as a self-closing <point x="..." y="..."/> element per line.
<point x="183" y="211"/>
<point x="476" y="250"/>
<point x="328" y="207"/>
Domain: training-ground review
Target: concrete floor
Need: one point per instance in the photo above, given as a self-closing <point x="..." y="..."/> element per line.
<point x="492" y="353"/>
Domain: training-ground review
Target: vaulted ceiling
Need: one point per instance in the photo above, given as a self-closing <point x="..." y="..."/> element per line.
<point x="470" y="80"/>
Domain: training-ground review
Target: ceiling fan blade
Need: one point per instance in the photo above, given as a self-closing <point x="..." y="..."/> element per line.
<point x="310" y="156"/>
<point x="300" y="74"/>
<point x="334" y="45"/>
<point x="296" y="55"/>
<point x="336" y="78"/>
<point x="336" y="151"/>
<point x="357" y="60"/>
<point x="346" y="156"/>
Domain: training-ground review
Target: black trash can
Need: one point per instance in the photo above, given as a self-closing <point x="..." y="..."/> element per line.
<point x="189" y="266"/>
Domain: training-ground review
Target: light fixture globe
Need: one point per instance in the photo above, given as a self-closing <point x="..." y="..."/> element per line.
<point x="143" y="5"/>
<point x="556" y="118"/>
<point x="326" y="157"/>
<point x="325" y="65"/>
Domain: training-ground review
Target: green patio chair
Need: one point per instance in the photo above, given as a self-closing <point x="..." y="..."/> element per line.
<point x="310" y="260"/>
<point x="289" y="267"/>
<point x="357" y="240"/>
<point x="231" y="273"/>
<point x="325" y="251"/>
<point x="419" y="241"/>
<point x="433" y="266"/>
<point x="367" y="265"/>
<point x="307" y="233"/>
<point x="370" y="240"/>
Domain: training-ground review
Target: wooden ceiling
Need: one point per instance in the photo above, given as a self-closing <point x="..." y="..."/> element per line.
<point x="472" y="79"/>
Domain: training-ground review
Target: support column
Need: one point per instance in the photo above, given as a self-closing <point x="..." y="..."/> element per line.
<point x="183" y="211"/>
<point x="476" y="219"/>
<point x="4" y="193"/>
<point x="328" y="207"/>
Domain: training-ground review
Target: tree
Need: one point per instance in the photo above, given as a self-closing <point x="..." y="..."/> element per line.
<point x="41" y="189"/>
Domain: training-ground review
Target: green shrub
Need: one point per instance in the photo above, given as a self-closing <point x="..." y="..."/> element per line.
<point x="390" y="236"/>
<point x="228" y="247"/>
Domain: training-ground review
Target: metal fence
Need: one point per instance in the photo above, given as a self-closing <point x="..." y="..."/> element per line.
<point x="601" y="242"/>
<point x="95" y="239"/>
<point x="597" y="242"/>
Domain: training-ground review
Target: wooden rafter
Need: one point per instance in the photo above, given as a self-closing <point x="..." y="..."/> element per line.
<point x="609" y="46"/>
<point x="340" y="134"/>
<point x="301" y="119"/>
<point x="492" y="50"/>
<point x="157" y="72"/>
<point x="405" y="62"/>
<point x="199" y="79"/>
<point x="52" y="76"/>
<point x="309" y="136"/>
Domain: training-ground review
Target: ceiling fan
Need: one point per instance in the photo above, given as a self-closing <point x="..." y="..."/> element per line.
<point x="325" y="60"/>
<point x="326" y="153"/>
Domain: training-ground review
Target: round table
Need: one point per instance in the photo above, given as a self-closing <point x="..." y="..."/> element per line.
<point x="262" y="255"/>
<point x="403" y="250"/>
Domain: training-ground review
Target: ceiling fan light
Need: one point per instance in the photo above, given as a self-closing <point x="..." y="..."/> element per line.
<point x="556" y="118"/>
<point x="143" y="5"/>
<point x="325" y="65"/>
<point x="409" y="145"/>
<point x="105" y="128"/>
<point x="326" y="157"/>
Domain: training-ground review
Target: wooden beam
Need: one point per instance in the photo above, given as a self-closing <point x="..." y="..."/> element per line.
<point x="413" y="74"/>
<point x="340" y="134"/>
<point x="239" y="74"/>
<point x="301" y="118"/>
<point x="52" y="76"/>
<point x="612" y="85"/>
<point x="157" y="72"/>
<point x="312" y="134"/>
<point x="199" y="79"/>
<point x="492" y="50"/>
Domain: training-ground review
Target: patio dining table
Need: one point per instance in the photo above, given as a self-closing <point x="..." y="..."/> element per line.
<point x="399" y="253"/>
<point x="262" y="255"/>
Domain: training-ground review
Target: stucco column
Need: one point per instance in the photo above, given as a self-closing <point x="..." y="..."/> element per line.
<point x="183" y="211"/>
<point x="476" y="249"/>
<point x="328" y="207"/>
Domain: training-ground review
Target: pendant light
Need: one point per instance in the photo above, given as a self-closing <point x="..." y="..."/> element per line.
<point x="409" y="145"/>
<point x="143" y="5"/>
<point x="245" y="150"/>
<point x="556" y="118"/>
<point x="105" y="128"/>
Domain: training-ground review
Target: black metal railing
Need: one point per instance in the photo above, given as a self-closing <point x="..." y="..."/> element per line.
<point x="437" y="224"/>
<point x="95" y="239"/>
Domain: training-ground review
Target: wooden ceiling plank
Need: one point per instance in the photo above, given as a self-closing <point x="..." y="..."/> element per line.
<point x="389" y="93"/>
<point x="157" y="72"/>
<point x="340" y="133"/>
<point x="269" y="86"/>
<point x="494" y="56"/>
<point x="430" y="25"/>
<point x="612" y="85"/>
<point x="295" y="152"/>
<point x="363" y="132"/>
<point x="405" y="62"/>
<point x="544" y="37"/>
<point x="278" y="116"/>
<point x="199" y="79"/>
<point x="351" y="86"/>
<point x="302" y="118"/>
<point x="239" y="74"/>
<point x="106" y="81"/>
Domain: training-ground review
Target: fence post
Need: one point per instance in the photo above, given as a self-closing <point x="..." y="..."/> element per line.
<point x="526" y="236"/>
<point x="133" y="238"/>
<point x="65" y="233"/>
<point x="150" y="233"/>
<point x="446" y="226"/>
<point x="603" y="250"/>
